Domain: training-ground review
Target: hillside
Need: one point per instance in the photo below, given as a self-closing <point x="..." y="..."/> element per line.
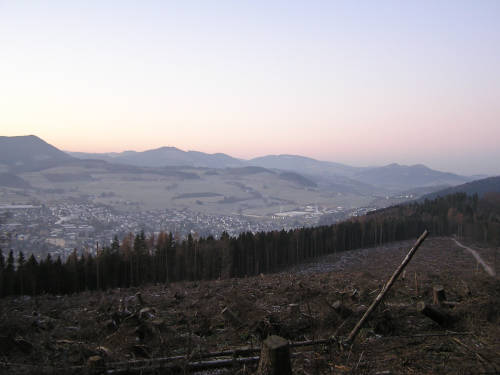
<point x="29" y="153"/>
<point x="400" y="177"/>
<point x="364" y="180"/>
<point x="479" y="187"/>
<point x="299" y="284"/>
<point x="304" y="165"/>
<point x="166" y="156"/>
<point x="179" y="323"/>
<point x="13" y="181"/>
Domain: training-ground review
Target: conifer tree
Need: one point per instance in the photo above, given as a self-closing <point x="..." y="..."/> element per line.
<point x="20" y="279"/>
<point x="31" y="272"/>
<point x="9" y="275"/>
<point x="2" y="273"/>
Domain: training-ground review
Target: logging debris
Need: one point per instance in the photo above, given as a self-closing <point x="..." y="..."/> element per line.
<point x="183" y="321"/>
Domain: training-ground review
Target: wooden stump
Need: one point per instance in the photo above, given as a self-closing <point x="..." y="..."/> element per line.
<point x="294" y="309"/>
<point x="466" y="289"/>
<point x="230" y="317"/>
<point x="438" y="295"/>
<point x="95" y="365"/>
<point x="275" y="357"/>
<point x="435" y="313"/>
<point x="340" y="309"/>
<point x="138" y="295"/>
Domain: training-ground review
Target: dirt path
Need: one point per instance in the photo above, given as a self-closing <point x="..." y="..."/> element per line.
<point x="490" y="271"/>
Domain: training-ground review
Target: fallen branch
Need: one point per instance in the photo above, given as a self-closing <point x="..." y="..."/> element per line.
<point x="191" y="366"/>
<point x="386" y="288"/>
<point x="164" y="361"/>
<point x="427" y="335"/>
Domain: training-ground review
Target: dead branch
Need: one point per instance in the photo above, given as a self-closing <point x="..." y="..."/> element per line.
<point x="386" y="287"/>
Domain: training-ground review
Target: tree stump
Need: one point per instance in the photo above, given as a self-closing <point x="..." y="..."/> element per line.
<point x="230" y="317"/>
<point x="95" y="364"/>
<point x="294" y="309"/>
<point x="275" y="357"/>
<point x="438" y="295"/>
<point x="138" y="295"/>
<point x="466" y="289"/>
<point x="340" y="309"/>
<point x="435" y="313"/>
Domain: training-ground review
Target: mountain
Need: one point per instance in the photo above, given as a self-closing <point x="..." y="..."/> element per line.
<point x="479" y="187"/>
<point x="166" y="156"/>
<point x="304" y="165"/>
<point x="393" y="177"/>
<point x="400" y="177"/>
<point x="29" y="153"/>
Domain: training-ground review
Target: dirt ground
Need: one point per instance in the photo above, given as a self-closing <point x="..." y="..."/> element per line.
<point x="107" y="331"/>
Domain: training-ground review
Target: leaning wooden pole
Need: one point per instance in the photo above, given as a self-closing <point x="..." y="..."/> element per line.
<point x="386" y="287"/>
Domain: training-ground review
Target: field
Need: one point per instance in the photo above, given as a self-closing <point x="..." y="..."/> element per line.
<point x="56" y="333"/>
<point x="222" y="191"/>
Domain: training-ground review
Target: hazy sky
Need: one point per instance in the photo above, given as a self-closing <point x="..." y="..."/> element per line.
<point x="359" y="82"/>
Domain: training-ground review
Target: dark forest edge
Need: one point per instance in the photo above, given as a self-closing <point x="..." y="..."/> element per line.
<point x="138" y="259"/>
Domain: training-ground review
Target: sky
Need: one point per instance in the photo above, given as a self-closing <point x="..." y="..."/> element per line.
<point x="357" y="82"/>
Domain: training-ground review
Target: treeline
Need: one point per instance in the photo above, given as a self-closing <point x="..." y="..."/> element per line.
<point x="139" y="259"/>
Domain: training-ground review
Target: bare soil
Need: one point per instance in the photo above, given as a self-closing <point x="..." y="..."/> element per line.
<point x="95" y="331"/>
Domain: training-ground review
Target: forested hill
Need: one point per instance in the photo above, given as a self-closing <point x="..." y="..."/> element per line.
<point x="138" y="259"/>
<point x="479" y="187"/>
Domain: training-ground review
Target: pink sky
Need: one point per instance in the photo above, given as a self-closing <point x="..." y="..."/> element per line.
<point x="358" y="83"/>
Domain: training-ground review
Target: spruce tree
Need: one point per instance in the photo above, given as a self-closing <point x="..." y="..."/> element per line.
<point x="9" y="278"/>
<point x="31" y="275"/>
<point x="20" y="273"/>
<point x="2" y="272"/>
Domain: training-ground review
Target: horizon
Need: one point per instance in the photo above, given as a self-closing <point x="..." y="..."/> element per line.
<point x="358" y="84"/>
<point x="264" y="155"/>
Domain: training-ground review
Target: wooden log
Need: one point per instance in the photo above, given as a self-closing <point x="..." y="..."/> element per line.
<point x="226" y="353"/>
<point x="438" y="294"/>
<point x="435" y="313"/>
<point x="275" y="357"/>
<point x="386" y="287"/>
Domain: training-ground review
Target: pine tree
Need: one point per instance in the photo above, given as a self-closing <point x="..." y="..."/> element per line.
<point x="9" y="279"/>
<point x="2" y="273"/>
<point x="20" y="273"/>
<point x="31" y="272"/>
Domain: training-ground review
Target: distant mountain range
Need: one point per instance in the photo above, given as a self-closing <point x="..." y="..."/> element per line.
<point x="30" y="153"/>
<point x="392" y="177"/>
